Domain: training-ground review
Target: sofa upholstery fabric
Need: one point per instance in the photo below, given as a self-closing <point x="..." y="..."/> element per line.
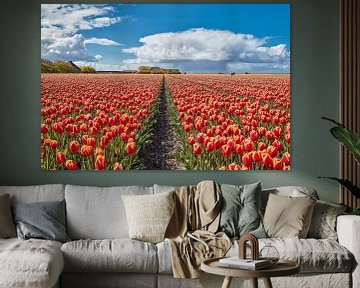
<point x="35" y="193"/>
<point x="31" y="263"/>
<point x="348" y="228"/>
<point x="313" y="255"/>
<point x="330" y="280"/>
<point x="98" y="213"/>
<point x="108" y="280"/>
<point x="117" y="255"/>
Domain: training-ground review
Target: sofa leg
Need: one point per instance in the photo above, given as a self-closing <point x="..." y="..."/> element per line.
<point x="254" y="282"/>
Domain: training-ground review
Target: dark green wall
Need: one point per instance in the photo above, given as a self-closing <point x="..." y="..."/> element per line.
<point x="314" y="93"/>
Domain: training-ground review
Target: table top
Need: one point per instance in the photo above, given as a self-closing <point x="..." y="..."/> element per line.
<point x="281" y="268"/>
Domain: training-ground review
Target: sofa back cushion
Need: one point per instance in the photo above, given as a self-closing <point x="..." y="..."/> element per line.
<point x="35" y="193"/>
<point x="290" y="191"/>
<point x="98" y="213"/>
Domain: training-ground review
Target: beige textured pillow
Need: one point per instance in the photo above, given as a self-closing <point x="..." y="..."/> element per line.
<point x="149" y="215"/>
<point x="288" y="217"/>
<point x="7" y="226"/>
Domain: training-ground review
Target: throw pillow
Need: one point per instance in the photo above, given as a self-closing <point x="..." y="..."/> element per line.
<point x="323" y="222"/>
<point x="7" y="227"/>
<point x="43" y="220"/>
<point x="288" y="217"/>
<point x="240" y="213"/>
<point x="149" y="215"/>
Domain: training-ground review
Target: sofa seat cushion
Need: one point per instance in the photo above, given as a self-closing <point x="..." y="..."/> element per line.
<point x="313" y="255"/>
<point x="115" y="255"/>
<point x="30" y="263"/>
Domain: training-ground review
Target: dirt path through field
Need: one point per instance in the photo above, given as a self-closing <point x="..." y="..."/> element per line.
<point x="160" y="153"/>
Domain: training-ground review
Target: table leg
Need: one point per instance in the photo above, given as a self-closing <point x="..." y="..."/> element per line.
<point x="254" y="282"/>
<point x="267" y="283"/>
<point x="227" y="282"/>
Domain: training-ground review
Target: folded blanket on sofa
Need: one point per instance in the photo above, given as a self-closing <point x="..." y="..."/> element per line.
<point x="191" y="231"/>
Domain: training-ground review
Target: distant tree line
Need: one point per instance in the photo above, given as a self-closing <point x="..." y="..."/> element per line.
<point x="156" y="70"/>
<point x="59" y="66"/>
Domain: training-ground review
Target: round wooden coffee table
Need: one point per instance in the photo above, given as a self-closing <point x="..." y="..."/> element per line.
<point x="281" y="268"/>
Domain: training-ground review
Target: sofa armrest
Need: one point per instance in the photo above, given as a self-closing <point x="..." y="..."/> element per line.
<point x="348" y="230"/>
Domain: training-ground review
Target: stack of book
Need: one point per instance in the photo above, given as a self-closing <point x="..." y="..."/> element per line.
<point x="248" y="264"/>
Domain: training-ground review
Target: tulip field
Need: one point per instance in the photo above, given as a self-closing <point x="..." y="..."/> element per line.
<point x="218" y="121"/>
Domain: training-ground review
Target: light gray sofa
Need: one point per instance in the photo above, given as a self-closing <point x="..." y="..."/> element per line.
<point x="101" y="255"/>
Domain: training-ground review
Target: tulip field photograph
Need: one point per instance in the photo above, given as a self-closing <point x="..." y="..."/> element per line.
<point x="165" y="87"/>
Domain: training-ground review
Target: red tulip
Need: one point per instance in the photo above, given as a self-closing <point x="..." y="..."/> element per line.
<point x="262" y="131"/>
<point x="277" y="131"/>
<point x="196" y="148"/>
<point x="100" y="163"/>
<point x="277" y="144"/>
<point x="248" y="145"/>
<point x="124" y="137"/>
<point x="287" y="138"/>
<point x="118" y="166"/>
<point x="273" y="151"/>
<point x="93" y="131"/>
<point x="200" y="138"/>
<point x="84" y="127"/>
<point x="277" y="164"/>
<point x="286" y="158"/>
<point x="267" y="160"/>
<point x="74" y="146"/>
<point x="191" y="140"/>
<point x="256" y="156"/>
<point x="246" y="160"/>
<point x="233" y="167"/>
<point x="54" y="144"/>
<point x="226" y="150"/>
<point x="60" y="157"/>
<point x="210" y="146"/>
<point x="71" y="165"/>
<point x="239" y="149"/>
<point x="254" y="136"/>
<point x="261" y="146"/>
<point x="130" y="148"/>
<point x="270" y="135"/>
<point x="44" y="129"/>
<point x="86" y="150"/>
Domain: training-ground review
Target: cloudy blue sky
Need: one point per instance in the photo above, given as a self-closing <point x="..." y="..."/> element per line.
<point x="196" y="38"/>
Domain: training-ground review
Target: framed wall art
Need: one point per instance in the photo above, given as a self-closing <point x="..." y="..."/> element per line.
<point x="165" y="86"/>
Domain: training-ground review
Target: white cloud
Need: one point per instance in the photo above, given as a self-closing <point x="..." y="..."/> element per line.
<point x="100" y="41"/>
<point x="206" y="46"/>
<point x="61" y="26"/>
<point x="98" y="57"/>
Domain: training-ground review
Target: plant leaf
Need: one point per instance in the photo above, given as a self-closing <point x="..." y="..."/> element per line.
<point x="333" y="121"/>
<point x="348" y="185"/>
<point x="349" y="139"/>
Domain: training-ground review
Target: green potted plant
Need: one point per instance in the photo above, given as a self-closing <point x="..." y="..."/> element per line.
<point x="351" y="141"/>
